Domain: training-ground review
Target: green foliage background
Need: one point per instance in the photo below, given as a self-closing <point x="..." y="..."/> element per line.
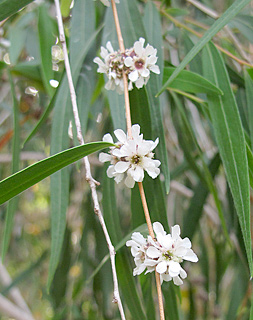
<point x="200" y="107"/>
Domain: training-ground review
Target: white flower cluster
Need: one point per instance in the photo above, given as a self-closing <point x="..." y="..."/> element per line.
<point x="164" y="254"/>
<point x="130" y="157"/>
<point x="136" y="62"/>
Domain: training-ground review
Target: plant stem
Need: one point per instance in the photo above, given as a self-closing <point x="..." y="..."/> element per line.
<point x="89" y="177"/>
<point x="129" y="131"/>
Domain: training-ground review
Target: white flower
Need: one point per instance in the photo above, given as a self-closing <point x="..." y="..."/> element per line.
<point x="164" y="254"/>
<point x="138" y="246"/>
<point x="131" y="157"/>
<point x="136" y="63"/>
<point x="107" y="3"/>
<point x="141" y="62"/>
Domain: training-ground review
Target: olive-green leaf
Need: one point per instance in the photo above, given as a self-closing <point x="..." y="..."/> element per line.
<point x="190" y="82"/>
<point x="230" y="139"/>
<point x="9" y="7"/>
<point x="22" y="180"/>
<point x="216" y="27"/>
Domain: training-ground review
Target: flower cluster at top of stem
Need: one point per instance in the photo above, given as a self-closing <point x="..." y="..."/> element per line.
<point x="164" y="254"/>
<point x="130" y="157"/>
<point x="107" y="3"/>
<point x="136" y="63"/>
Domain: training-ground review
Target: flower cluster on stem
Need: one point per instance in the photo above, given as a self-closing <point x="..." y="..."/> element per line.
<point x="162" y="254"/>
<point x="136" y="62"/>
<point x="130" y="157"/>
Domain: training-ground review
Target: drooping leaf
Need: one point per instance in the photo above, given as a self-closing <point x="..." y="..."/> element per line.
<point x="153" y="32"/>
<point x="249" y="98"/>
<point x="81" y="37"/>
<point x="230" y="139"/>
<point x="46" y="40"/>
<point x="193" y="214"/>
<point x="190" y="82"/>
<point x="22" y="180"/>
<point x="9" y="7"/>
<point x="230" y="13"/>
<point x="154" y="189"/>
<point x="250" y="164"/>
<point x="12" y="205"/>
<point x="244" y="23"/>
<point x="111" y="214"/>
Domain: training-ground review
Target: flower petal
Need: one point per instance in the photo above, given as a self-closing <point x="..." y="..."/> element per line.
<point x="158" y="228"/>
<point x="121" y="166"/>
<point x="153" y="252"/>
<point x="129" y="182"/>
<point x="161" y="267"/>
<point x="128" y="62"/>
<point x="177" y="281"/>
<point x="103" y="157"/>
<point x="107" y="138"/>
<point x="133" y="76"/>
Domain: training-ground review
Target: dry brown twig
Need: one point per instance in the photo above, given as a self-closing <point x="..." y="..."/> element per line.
<point x="89" y="177"/>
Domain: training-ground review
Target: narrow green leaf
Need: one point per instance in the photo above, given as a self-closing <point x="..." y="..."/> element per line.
<point x="46" y="41"/>
<point x="82" y="35"/>
<point x="230" y="139"/>
<point x="154" y="188"/>
<point x="249" y="97"/>
<point x="22" y="180"/>
<point x="111" y="215"/>
<point x="12" y="205"/>
<point x="244" y="23"/>
<point x="193" y="214"/>
<point x="153" y="31"/>
<point x="44" y="116"/>
<point x="232" y="11"/>
<point x="28" y="69"/>
<point x="189" y="143"/>
<point x="65" y="7"/>
<point x="9" y="7"/>
<point x="190" y="82"/>
<point x="250" y="164"/>
<point x="171" y="301"/>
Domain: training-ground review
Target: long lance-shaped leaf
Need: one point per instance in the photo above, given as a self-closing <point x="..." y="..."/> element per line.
<point x="230" y="139"/>
<point x="190" y="82"/>
<point x="22" y="180"/>
<point x="46" y="41"/>
<point x="249" y="96"/>
<point x="9" y="7"/>
<point x="81" y="37"/>
<point x="153" y="29"/>
<point x="12" y="205"/>
<point x="216" y="27"/>
<point x="250" y="164"/>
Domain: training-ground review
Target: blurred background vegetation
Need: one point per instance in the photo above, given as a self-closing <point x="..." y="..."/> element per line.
<point x="218" y="287"/>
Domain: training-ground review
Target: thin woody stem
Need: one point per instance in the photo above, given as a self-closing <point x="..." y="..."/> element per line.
<point x="89" y="177"/>
<point x="160" y="295"/>
<point x="129" y="131"/>
<point x="146" y="211"/>
<point x="122" y="49"/>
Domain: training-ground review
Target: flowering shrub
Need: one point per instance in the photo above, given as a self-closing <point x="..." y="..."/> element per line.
<point x="136" y="62"/>
<point x="163" y="254"/>
<point x="130" y="157"/>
